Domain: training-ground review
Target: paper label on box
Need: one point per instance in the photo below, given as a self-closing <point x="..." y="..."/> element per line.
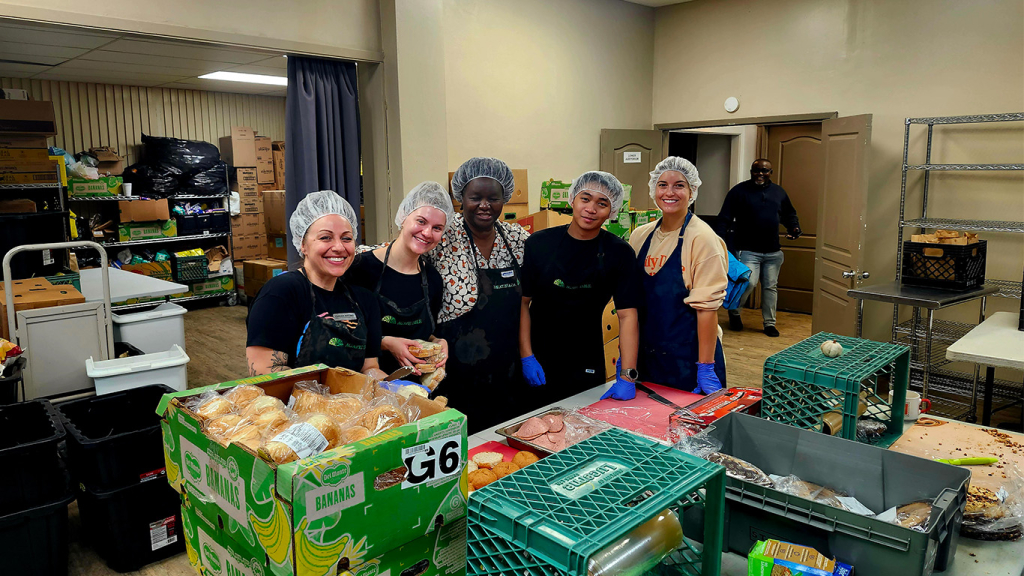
<point x="216" y="479"/>
<point x="217" y="559"/>
<point x="304" y="439"/>
<point x="47" y="257"/>
<point x="432" y="461"/>
<point x="328" y="500"/>
<point x="631" y="157"/>
<point x="161" y="533"/>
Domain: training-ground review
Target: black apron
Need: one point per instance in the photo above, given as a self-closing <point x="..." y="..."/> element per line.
<point x="338" y="340"/>
<point x="565" y="326"/>
<point x="414" y="322"/>
<point x="483" y="371"/>
<point x="668" y="328"/>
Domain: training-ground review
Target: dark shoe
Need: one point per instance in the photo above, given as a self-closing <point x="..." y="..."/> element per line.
<point x="771" y="331"/>
<point x="735" y="322"/>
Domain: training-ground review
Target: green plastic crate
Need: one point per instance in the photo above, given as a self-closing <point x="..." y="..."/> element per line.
<point x="189" y="268"/>
<point x="801" y="385"/>
<point x="552" y="516"/>
<point x="65" y="279"/>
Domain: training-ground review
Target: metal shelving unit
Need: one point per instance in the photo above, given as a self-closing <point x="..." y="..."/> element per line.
<point x="130" y="198"/>
<point x="166" y="239"/>
<point x="58" y="208"/>
<point x="928" y="340"/>
<point x="216" y="296"/>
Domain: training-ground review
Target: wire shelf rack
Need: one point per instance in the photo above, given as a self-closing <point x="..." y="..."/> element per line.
<point x="969" y="119"/>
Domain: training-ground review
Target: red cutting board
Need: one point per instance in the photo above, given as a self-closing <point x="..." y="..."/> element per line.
<point x="641" y="414"/>
<point x="505" y="450"/>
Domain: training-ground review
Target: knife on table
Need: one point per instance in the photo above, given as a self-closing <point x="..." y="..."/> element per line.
<point x="658" y="397"/>
<point x="980" y="461"/>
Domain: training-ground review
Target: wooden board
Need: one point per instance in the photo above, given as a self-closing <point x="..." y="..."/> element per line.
<point x="958" y="440"/>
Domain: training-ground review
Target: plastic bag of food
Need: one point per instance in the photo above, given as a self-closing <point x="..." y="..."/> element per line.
<point x="700" y="444"/>
<point x="80" y="170"/>
<point x="344" y="407"/>
<point x="210" y="405"/>
<point x="183" y="156"/>
<point x="308" y="397"/>
<point x="740" y="469"/>
<point x="809" y="490"/>
<point x="996" y="513"/>
<point x="242" y="396"/>
<point x="306" y="437"/>
<point x="384" y="413"/>
<point x="262" y="404"/>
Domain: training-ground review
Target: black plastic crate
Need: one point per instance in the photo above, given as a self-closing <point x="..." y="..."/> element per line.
<point x="946" y="266"/>
<point x="133" y="526"/>
<point x="196" y="224"/>
<point x="35" y="542"/>
<point x="189" y="268"/>
<point x="38" y="228"/>
<point x="114" y="440"/>
<point x="14" y="380"/>
<point x="31" y="442"/>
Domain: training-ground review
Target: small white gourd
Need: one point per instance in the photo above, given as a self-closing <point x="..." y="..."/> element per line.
<point x="831" y="348"/>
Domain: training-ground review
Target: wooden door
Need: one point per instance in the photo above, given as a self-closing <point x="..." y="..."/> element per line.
<point x="631" y="155"/>
<point x="795" y="153"/>
<point x="845" y="144"/>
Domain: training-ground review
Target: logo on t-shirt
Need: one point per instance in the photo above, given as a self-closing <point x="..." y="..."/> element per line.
<point x="559" y="283"/>
<point x="389" y="320"/>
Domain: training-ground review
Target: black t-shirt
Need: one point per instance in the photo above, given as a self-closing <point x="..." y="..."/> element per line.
<point x="283" y="307"/>
<point x="620" y="264"/>
<point x="402" y="289"/>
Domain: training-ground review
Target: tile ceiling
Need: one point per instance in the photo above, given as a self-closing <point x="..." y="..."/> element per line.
<point x="82" y="55"/>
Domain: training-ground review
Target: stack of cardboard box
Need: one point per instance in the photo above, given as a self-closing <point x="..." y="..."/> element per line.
<point x="239" y="150"/>
<point x="274" y="214"/>
<point x="277" y="150"/>
<point x="610" y="330"/>
<point x="256" y="273"/>
<point x="145" y="219"/>
<point x="24" y="128"/>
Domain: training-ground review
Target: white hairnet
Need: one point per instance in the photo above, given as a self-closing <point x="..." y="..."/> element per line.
<point x="423" y="194"/>
<point x="681" y="165"/>
<point x="315" y="206"/>
<point x="483" y="168"/>
<point x="601" y="183"/>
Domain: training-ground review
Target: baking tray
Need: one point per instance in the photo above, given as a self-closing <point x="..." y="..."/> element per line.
<point x="509" y="431"/>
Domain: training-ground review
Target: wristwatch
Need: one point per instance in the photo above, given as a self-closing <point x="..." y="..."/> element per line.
<point x="629" y="374"/>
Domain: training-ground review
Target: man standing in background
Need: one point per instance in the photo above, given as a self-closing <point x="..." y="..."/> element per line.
<point x="753" y="211"/>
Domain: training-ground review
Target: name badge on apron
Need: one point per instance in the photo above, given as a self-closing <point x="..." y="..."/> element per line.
<point x="345" y="316"/>
<point x="508" y="274"/>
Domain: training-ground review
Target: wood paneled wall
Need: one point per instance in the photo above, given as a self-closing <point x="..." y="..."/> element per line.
<point x="112" y="115"/>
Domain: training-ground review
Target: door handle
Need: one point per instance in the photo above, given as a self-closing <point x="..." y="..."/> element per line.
<point x="850" y="274"/>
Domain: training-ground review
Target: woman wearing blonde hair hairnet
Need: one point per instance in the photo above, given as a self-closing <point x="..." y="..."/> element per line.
<point x="312" y="316"/>
<point x="685" y="276"/>
<point x="407" y="287"/>
<point x="479" y="259"/>
<point x="570" y="273"/>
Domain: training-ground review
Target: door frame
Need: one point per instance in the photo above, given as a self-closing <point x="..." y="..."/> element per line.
<point x="780" y="119"/>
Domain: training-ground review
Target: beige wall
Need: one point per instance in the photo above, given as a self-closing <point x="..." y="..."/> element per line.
<point x="891" y="59"/>
<point x="533" y="82"/>
<point x="343" y="28"/>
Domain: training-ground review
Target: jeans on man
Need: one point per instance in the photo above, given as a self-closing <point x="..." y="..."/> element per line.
<point x="764" y="270"/>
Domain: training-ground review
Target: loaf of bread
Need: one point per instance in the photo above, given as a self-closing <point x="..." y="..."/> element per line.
<point x="241" y="396"/>
<point x="261" y="405"/>
<point x="214" y="408"/>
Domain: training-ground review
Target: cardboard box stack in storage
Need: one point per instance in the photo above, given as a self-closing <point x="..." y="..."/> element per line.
<point x="277" y="148"/>
<point x="143" y="210"/>
<point x="147" y="230"/>
<point x="264" y="161"/>
<point x="258" y="272"/>
<point x="245" y="224"/>
<point x="251" y="205"/>
<point x="277" y="246"/>
<point x="544" y="219"/>
<point x="239" y="149"/>
<point x="243" y="181"/>
<point x="310" y="517"/>
<point x="248" y="247"/>
<point x="274" y="212"/>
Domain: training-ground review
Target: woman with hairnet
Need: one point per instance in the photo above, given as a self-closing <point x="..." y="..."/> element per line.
<point x="312" y="315"/>
<point x="407" y="287"/>
<point x="685" y="276"/>
<point x="479" y="258"/>
<point x="570" y="273"/>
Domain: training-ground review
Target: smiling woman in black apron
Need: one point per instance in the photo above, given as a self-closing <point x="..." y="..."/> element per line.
<point x="312" y="315"/>
<point x="569" y="274"/>
<point x="408" y="288"/>
<point x="479" y="259"/>
<point x="685" y="277"/>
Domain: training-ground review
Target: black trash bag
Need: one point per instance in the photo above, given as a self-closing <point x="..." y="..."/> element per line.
<point x="208" y="182"/>
<point x="155" y="181"/>
<point x="184" y="156"/>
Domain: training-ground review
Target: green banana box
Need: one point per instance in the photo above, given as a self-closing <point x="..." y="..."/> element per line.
<point x="338" y="508"/>
<point x="212" y="552"/>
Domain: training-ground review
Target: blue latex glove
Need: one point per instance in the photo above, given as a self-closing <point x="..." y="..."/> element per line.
<point x="532" y="371"/>
<point x="621" y="389"/>
<point x="707" y="380"/>
<point x="394" y="385"/>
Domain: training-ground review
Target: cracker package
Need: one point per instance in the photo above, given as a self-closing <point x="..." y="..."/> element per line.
<point x="773" y="557"/>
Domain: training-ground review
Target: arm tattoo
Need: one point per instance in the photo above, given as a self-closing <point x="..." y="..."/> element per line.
<point x="252" y="369"/>
<point x="278" y="361"/>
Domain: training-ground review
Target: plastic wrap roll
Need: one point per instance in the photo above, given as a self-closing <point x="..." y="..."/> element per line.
<point x="640" y="550"/>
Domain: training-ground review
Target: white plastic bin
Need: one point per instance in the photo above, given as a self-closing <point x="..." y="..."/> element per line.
<point x="153" y="331"/>
<point x="169" y="367"/>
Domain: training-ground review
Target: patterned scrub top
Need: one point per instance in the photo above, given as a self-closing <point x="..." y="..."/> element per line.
<point x="452" y="260"/>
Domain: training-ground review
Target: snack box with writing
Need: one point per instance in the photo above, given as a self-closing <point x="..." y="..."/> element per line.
<point x="554" y="195"/>
<point x="25" y="155"/>
<point x="251" y="205"/>
<point x="21" y="165"/>
<point x="214" y="285"/>
<point x="704" y="412"/>
<point x="771" y="557"/>
<point x="211" y="551"/>
<point x="8" y="141"/>
<point x="642" y="217"/>
<point x="354" y="501"/>
<point x="147" y="230"/>
<point x="50" y="177"/>
<point x="103" y="186"/>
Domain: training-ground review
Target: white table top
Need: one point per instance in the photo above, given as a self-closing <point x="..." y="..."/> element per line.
<point x="125" y="285"/>
<point x="994" y="342"/>
<point x="993" y="558"/>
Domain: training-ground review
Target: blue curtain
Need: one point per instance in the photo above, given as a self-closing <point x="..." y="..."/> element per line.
<point x="321" y="133"/>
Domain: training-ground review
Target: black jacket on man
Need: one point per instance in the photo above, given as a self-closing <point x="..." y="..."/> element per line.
<point x="752" y="214"/>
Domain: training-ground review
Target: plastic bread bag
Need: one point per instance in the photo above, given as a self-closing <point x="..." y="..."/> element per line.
<point x="344" y="407"/>
<point x="211" y="404"/>
<point x="308" y="397"/>
<point x="914" y="515"/>
<point x="702" y="445"/>
<point x="996" y="513"/>
<point x="793" y="485"/>
<point x="242" y="396"/>
<point x="305" y="437"/>
<point x="262" y="404"/>
<point x="740" y="469"/>
<point x="385" y="412"/>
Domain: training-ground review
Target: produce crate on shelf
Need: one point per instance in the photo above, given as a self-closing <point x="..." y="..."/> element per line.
<point x="804" y="388"/>
<point x="31" y="435"/>
<point x="189" y="268"/>
<point x="551" y="517"/>
<point x="944" y="266"/>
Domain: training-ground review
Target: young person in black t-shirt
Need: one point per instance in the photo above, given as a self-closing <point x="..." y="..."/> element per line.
<point x="569" y="274"/>
<point x="407" y="287"/>
<point x="312" y="315"/>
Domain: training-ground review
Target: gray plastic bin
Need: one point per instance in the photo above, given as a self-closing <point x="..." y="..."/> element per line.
<point x="878" y="478"/>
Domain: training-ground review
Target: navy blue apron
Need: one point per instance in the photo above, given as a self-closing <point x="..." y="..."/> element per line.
<point x="337" y="340"/>
<point x="668" y="326"/>
<point x="413" y="322"/>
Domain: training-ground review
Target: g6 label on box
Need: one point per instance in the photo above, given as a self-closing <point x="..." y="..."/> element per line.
<point x="431" y="461"/>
